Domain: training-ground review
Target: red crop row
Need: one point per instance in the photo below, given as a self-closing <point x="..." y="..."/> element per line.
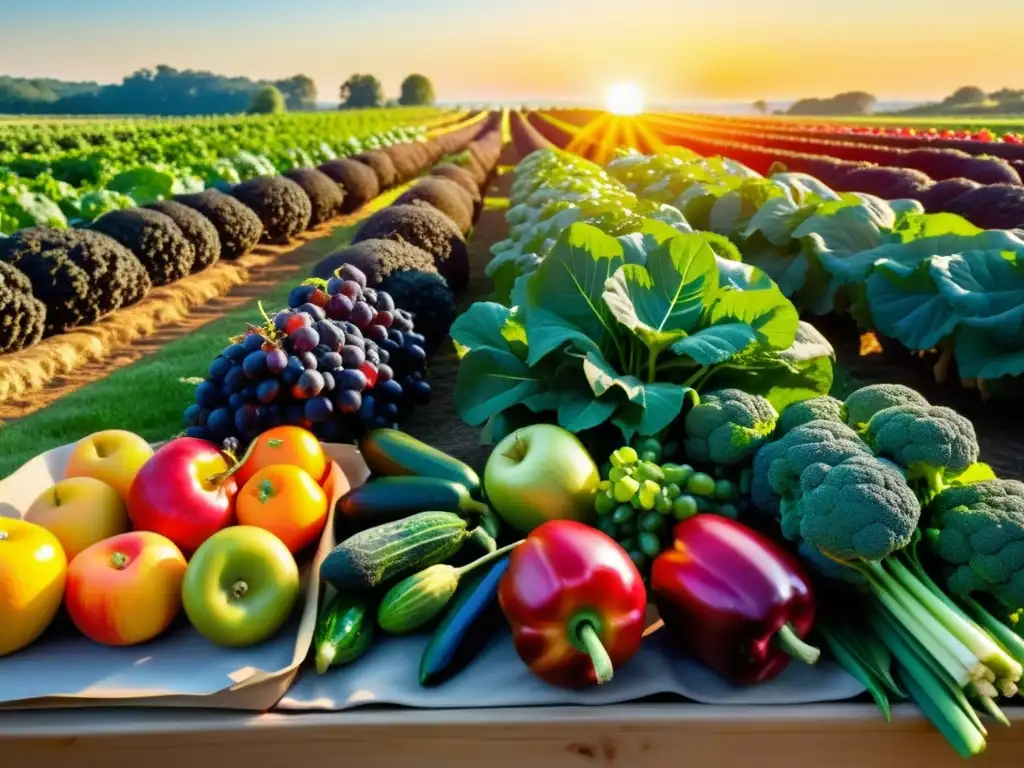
<point x="525" y="137"/>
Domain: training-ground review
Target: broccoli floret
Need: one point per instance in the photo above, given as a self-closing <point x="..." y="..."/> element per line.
<point x="859" y="509"/>
<point x="932" y="442"/>
<point x="861" y="405"/>
<point x="826" y="408"/>
<point x="727" y="426"/>
<point x="978" y="532"/>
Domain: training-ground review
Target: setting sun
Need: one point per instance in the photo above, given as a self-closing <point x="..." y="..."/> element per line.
<point x="625" y="99"/>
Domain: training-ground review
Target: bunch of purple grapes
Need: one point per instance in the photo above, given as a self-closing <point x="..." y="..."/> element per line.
<point x="342" y="359"/>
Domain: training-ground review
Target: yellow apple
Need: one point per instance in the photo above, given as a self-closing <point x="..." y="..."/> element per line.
<point x="79" y="511"/>
<point x="114" y="456"/>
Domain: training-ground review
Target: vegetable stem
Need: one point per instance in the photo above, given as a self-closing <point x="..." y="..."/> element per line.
<point x="790" y="642"/>
<point x="603" y="668"/>
<point x="1002" y="634"/>
<point x="652" y="366"/>
<point x="462" y="571"/>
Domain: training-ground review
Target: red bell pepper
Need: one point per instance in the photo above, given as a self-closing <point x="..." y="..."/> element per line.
<point x="734" y="599"/>
<point x="576" y="604"/>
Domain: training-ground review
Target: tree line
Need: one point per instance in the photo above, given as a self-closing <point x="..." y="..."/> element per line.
<point x="966" y="98"/>
<point x="165" y="90"/>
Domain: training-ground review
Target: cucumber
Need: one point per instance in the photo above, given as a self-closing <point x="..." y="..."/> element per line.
<point x="467" y="626"/>
<point x="392" y="498"/>
<point x="390" y="453"/>
<point x="418" y="599"/>
<point x="377" y="555"/>
<point x="344" y="631"/>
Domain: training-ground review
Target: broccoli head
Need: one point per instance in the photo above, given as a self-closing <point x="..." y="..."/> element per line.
<point x="826" y="408"/>
<point x="977" y="531"/>
<point x="932" y="442"/>
<point x="859" y="509"/>
<point x="727" y="426"/>
<point x="865" y="402"/>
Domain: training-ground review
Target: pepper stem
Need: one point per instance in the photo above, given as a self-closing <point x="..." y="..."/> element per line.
<point x="795" y="647"/>
<point x="460" y="572"/>
<point x="598" y="655"/>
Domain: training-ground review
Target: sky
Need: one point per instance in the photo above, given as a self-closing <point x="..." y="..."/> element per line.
<point x="536" y="50"/>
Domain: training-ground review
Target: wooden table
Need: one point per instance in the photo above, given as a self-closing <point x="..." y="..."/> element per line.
<point x="648" y="735"/>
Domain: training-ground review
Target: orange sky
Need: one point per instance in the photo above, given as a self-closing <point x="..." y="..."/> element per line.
<point x="532" y="50"/>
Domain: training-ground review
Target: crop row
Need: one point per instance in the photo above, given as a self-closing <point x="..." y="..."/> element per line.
<point x="57" y="279"/>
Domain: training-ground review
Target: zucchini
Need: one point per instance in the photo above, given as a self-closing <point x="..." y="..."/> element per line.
<point x="377" y="555"/>
<point x="418" y="599"/>
<point x="392" y="498"/>
<point x="344" y="631"/>
<point x="467" y="626"/>
<point x="390" y="453"/>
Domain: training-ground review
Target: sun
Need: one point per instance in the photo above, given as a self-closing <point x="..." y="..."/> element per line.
<point x="625" y="99"/>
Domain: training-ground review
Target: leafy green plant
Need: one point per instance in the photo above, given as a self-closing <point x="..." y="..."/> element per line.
<point x="626" y="330"/>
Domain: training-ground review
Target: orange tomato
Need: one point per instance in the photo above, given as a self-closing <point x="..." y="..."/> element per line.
<point x="286" y="501"/>
<point x="286" y="445"/>
<point x="126" y="589"/>
<point x="33" y="571"/>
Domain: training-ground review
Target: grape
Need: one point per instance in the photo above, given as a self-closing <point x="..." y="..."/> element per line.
<point x="292" y="372"/>
<point x="300" y="294"/>
<point x="420" y="392"/>
<point x="607" y="526"/>
<point x="329" y="381"/>
<point x="384" y="318"/>
<point x="249" y="392"/>
<point x="416" y="338"/>
<point x="294" y="413"/>
<point x="351" y="379"/>
<point x="313" y="311"/>
<point x="651" y="522"/>
<point x="281" y="320"/>
<point x="369" y="296"/>
<point x="274" y="414"/>
<point x="649" y="544"/>
<point x="372" y="354"/>
<point x="700" y="484"/>
<point x="355" y="341"/>
<point x="625" y="488"/>
<point x="351" y="288"/>
<point x="367" y="409"/>
<point x="308" y="360"/>
<point x="376" y="333"/>
<point x="623" y="514"/>
<point x="231" y="445"/>
<point x="388" y="411"/>
<point x="384" y="302"/>
<point x="208" y="394"/>
<point x="352" y="356"/>
<point x="268" y="390"/>
<point x="353" y="329"/>
<point x="362" y="314"/>
<point x="353" y="274"/>
<point x="663" y="503"/>
<point x="684" y="507"/>
<point x="388" y="390"/>
<point x="253" y="342"/>
<point x="296" y="321"/>
<point x="396" y="336"/>
<point x="318" y="409"/>
<point x="255" y="364"/>
<point x="192" y="415"/>
<point x="220" y="422"/>
<point x="219" y="367"/>
<point x="724" y="491"/>
<point x="384" y="373"/>
<point x="348" y="401"/>
<point x="304" y="339"/>
<point x="236" y="401"/>
<point x="416" y="354"/>
<point x="247" y="418"/>
<point x="332" y="361"/>
<point x="402" y="321"/>
<point x="235" y="353"/>
<point x="334" y="285"/>
<point x="677" y="474"/>
<point x="339" y="307"/>
<point x="388" y="346"/>
<point x="277" y="360"/>
<point x="321" y="349"/>
<point x="200" y="433"/>
<point x="310" y="384"/>
<point x="331" y="336"/>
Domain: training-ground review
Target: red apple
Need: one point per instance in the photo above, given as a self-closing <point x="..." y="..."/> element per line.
<point x="184" y="493"/>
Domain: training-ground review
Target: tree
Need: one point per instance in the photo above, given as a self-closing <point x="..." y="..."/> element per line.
<point x="761" y="106"/>
<point x="299" y="92"/>
<point x="361" y="91"/>
<point x="417" y="91"/>
<point x="969" y="94"/>
<point x="849" y="103"/>
<point x="268" y="101"/>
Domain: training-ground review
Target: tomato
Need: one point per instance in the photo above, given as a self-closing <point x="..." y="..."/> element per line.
<point x="286" y="445"/>
<point x="286" y="501"/>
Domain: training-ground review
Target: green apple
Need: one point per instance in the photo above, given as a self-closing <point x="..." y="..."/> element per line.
<point x="240" y="587"/>
<point x="538" y="473"/>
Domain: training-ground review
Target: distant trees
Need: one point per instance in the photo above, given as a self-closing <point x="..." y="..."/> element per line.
<point x="849" y="103"/>
<point x="268" y="101"/>
<point x="969" y="94"/>
<point x="361" y="91"/>
<point x="760" y="106"/>
<point x="299" y="92"/>
<point x="417" y="91"/>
